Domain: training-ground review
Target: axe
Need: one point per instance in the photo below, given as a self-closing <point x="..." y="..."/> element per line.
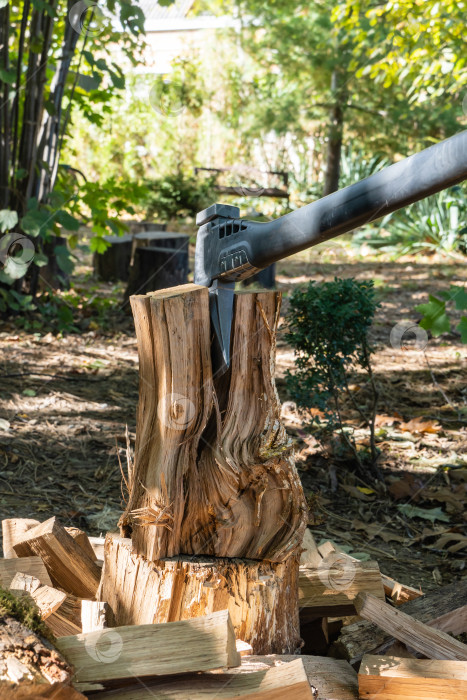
<point x="229" y="248"/>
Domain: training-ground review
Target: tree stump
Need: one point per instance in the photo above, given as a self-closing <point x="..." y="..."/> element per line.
<point x="255" y="593"/>
<point x="264" y="278"/>
<point x="159" y="261"/>
<point x="214" y="471"/>
<point x="114" y="263"/>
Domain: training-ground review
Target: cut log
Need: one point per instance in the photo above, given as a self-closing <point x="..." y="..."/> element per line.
<point x="36" y="691"/>
<point x="33" y="566"/>
<point x="12" y="531"/>
<point x="310" y="557"/>
<point x="214" y="471"/>
<point x="97" y="543"/>
<point x="59" y="610"/>
<point x="25" y="656"/>
<point x="430" y="642"/>
<point x="152" y="650"/>
<point x="68" y="565"/>
<point x="287" y="680"/>
<point x="264" y="278"/>
<point x="260" y="596"/>
<point x="444" y="609"/>
<point x="334" y="679"/>
<point x="161" y="239"/>
<point x="157" y="267"/>
<point x="114" y="263"/>
<point x="399" y="592"/>
<point x="93" y="615"/>
<point x="83" y="541"/>
<point x="390" y="678"/>
<point x="331" y="589"/>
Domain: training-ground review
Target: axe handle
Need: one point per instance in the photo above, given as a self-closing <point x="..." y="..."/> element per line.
<point x="403" y="183"/>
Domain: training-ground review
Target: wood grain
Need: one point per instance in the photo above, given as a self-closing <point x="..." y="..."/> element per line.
<point x="69" y="567"/>
<point x="214" y="470"/>
<point x="430" y="642"/>
<point x="391" y="678"/>
<point x="145" y="650"/>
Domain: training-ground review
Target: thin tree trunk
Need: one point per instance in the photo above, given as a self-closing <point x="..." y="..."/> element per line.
<point x="335" y="138"/>
<point x="4" y="110"/>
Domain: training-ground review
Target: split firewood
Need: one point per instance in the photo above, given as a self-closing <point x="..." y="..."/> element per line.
<point x="146" y="650"/>
<point x="32" y="566"/>
<point x="59" y="610"/>
<point x="68" y="564"/>
<point x="330" y="590"/>
<point x="444" y="609"/>
<point x="249" y="501"/>
<point x="260" y="596"/>
<point x="391" y="678"/>
<point x="93" y="615"/>
<point x="310" y="556"/>
<point x="36" y="691"/>
<point x="82" y="540"/>
<point x="243" y="648"/>
<point x="97" y="543"/>
<point x="12" y="531"/>
<point x="334" y="679"/>
<point x="430" y="642"/>
<point x="399" y="592"/>
<point x="287" y="680"/>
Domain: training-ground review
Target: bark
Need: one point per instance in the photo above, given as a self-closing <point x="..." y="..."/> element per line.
<point x="25" y="656"/>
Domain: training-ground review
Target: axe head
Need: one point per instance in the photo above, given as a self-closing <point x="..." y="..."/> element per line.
<point x="219" y="262"/>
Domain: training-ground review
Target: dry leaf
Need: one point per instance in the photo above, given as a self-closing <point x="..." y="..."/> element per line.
<point x="419" y="425"/>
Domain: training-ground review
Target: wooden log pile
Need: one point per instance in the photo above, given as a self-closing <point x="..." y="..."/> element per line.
<point x="145" y="648"/>
<point x="214" y="587"/>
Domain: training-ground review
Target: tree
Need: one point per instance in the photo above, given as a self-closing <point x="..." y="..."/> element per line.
<point x="350" y="66"/>
<point x="54" y="55"/>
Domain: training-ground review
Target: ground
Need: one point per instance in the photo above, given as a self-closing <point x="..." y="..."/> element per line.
<point x="66" y="399"/>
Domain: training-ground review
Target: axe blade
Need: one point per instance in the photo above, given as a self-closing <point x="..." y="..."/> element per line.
<point x="221" y="301"/>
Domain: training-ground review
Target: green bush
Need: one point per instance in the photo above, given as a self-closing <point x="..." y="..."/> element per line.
<point x="328" y="327"/>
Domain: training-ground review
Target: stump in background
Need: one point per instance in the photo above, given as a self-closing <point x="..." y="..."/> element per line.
<point x="155" y="268"/>
<point x="214" y="475"/>
<point x="114" y="263"/>
<point x="264" y="278"/>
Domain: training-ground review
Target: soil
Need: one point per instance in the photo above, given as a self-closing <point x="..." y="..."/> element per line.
<point x="66" y="400"/>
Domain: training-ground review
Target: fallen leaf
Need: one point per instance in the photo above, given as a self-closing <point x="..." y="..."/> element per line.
<point x="366" y="490"/>
<point x="356" y="493"/>
<point x="376" y="530"/>
<point x="419" y="425"/>
<point x="460" y="542"/>
<point x="413" y="512"/>
<point x="4" y="424"/>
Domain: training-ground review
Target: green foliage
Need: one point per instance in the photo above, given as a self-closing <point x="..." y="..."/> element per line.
<point x="327" y="326"/>
<point x="55" y="60"/>
<point x="436" y="223"/>
<point x="435" y="312"/>
<point x="178" y="195"/>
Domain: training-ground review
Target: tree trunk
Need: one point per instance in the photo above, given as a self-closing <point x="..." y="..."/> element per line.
<point x="214" y="471"/>
<point x="335" y="138"/>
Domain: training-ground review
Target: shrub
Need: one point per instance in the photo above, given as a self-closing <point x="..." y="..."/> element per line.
<point x="328" y="328"/>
